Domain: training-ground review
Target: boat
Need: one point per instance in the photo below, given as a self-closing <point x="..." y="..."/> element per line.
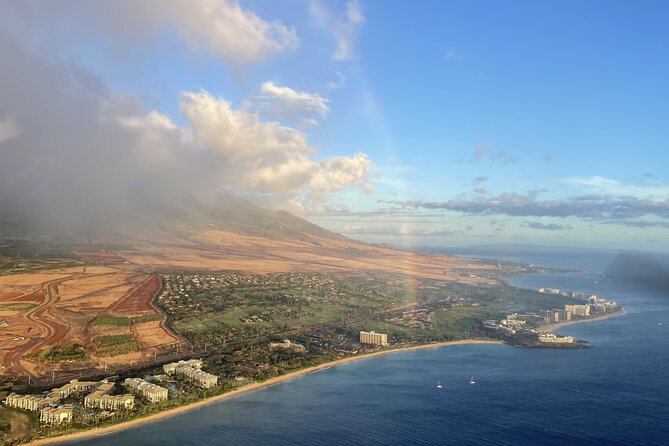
<point x="439" y="386"/>
<point x="471" y="380"/>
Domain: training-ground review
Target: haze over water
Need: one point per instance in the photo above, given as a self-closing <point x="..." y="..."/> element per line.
<point x="613" y="393"/>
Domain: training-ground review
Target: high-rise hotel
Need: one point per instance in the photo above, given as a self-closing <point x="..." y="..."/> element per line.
<point x="370" y="337"/>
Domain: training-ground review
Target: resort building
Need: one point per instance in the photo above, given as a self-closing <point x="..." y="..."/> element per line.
<point x="151" y="392"/>
<point x="552" y="338"/>
<point x="171" y="368"/>
<point x="100" y="399"/>
<point x="286" y="344"/>
<point x="513" y="323"/>
<point x="191" y="371"/>
<point x="57" y="415"/>
<point x="202" y="379"/>
<point x="557" y="316"/>
<point x="578" y="310"/>
<point x="370" y="337"/>
<point x="30" y="402"/>
<point x="74" y="386"/>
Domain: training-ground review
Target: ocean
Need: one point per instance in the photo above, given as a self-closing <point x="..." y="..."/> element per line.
<point x="615" y="393"/>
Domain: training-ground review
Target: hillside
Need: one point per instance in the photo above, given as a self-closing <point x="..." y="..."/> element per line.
<point x="233" y="233"/>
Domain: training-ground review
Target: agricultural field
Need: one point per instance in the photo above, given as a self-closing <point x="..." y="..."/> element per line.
<point x="62" y="320"/>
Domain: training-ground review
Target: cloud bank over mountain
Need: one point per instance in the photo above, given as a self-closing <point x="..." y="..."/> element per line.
<point x="73" y="151"/>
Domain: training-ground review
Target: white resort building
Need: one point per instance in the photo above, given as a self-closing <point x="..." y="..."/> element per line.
<point x="191" y="371"/>
<point x="150" y="391"/>
<point x="287" y="344"/>
<point x="370" y="337"/>
<point x="57" y="415"/>
<point x="100" y="399"/>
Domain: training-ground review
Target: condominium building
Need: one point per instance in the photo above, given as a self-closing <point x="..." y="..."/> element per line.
<point x="150" y="391"/>
<point x="171" y="368"/>
<point x="578" y="310"/>
<point x="100" y="399"/>
<point x="202" y="379"/>
<point x="30" y="402"/>
<point x="370" y="337"/>
<point x="57" y="415"/>
<point x="74" y="386"/>
<point x="557" y="315"/>
<point x="191" y="371"/>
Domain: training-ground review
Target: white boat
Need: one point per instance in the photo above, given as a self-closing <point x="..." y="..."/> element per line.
<point x="471" y="380"/>
<point x="439" y="386"/>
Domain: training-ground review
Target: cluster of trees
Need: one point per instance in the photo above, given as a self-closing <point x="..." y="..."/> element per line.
<point x="64" y="353"/>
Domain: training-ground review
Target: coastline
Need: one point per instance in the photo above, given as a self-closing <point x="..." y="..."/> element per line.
<point x="558" y="325"/>
<point x="244" y="389"/>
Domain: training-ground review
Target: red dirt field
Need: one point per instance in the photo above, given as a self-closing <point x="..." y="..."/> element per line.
<point x="140" y="298"/>
<point x="8" y="296"/>
<point x="35" y="296"/>
<point x="57" y="308"/>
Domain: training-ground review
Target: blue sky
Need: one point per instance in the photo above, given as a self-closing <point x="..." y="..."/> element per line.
<point x="481" y="121"/>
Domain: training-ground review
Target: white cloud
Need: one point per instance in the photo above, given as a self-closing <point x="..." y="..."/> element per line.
<point x="154" y="120"/>
<point x="398" y="231"/>
<point x="340" y="82"/>
<point x="9" y="129"/>
<point x="226" y="29"/>
<point x="608" y="186"/>
<point x="285" y="103"/>
<point x="222" y="27"/>
<point x="345" y="29"/>
<point x="239" y="135"/>
<point x="268" y="157"/>
<point x="88" y="154"/>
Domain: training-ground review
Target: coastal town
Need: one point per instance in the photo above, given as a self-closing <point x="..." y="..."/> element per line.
<point x="529" y="329"/>
<point x="246" y="329"/>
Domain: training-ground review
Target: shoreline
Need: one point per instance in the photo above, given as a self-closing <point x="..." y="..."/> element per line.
<point x="242" y="390"/>
<point x="557" y="325"/>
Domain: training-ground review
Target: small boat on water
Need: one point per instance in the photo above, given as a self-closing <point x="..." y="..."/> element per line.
<point x="439" y="386"/>
<point x="471" y="380"/>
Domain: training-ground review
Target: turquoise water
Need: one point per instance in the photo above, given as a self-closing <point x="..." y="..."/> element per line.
<point x="613" y="393"/>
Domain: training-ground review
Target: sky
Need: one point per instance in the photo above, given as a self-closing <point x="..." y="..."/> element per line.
<point x="431" y="123"/>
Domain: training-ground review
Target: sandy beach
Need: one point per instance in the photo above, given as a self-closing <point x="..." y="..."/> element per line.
<point x="558" y="325"/>
<point x="242" y="390"/>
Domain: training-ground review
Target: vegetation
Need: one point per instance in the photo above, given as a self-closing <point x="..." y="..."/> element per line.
<point x="111" y="320"/>
<point x="64" y="353"/>
<point x="146" y="318"/>
<point x="115" y="339"/>
<point x="113" y="345"/>
<point x="17" y="306"/>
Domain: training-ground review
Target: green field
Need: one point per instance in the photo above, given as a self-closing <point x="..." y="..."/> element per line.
<point x="112" y="345"/>
<point x="17" y="306"/>
<point x="64" y="353"/>
<point x="111" y="320"/>
<point x="146" y="318"/>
